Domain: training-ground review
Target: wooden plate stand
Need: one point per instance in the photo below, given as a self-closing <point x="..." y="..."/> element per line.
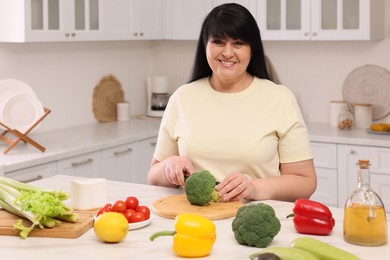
<point x="22" y="136"/>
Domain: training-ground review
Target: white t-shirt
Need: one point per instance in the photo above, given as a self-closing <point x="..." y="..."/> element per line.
<point x="251" y="131"/>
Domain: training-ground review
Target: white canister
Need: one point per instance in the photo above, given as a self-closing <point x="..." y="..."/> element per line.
<point x="335" y="108"/>
<point x="363" y="115"/>
<point x="123" y="111"/>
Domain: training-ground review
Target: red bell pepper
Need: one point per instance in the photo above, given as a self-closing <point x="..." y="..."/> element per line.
<point x="312" y="217"/>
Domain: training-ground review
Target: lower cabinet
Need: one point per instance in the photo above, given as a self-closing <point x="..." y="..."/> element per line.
<point x="86" y="165"/>
<point x="33" y="173"/>
<point x="336" y="170"/>
<point x="379" y="171"/>
<point x="117" y="163"/>
<point x="325" y="162"/>
<point x="143" y="157"/>
<point x="128" y="162"/>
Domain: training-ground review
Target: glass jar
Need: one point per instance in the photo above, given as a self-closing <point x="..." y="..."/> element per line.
<point x="364" y="213"/>
<point x="345" y="119"/>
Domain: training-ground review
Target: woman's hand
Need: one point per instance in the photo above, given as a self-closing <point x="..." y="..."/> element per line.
<point x="176" y="167"/>
<point x="236" y="186"/>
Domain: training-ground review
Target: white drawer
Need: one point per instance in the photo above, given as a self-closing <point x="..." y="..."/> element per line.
<point x="325" y="155"/>
<point x="326" y="192"/>
<point x="33" y="173"/>
<point x="85" y="165"/>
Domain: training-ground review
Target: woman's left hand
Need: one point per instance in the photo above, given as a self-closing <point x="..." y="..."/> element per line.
<point x="236" y="186"/>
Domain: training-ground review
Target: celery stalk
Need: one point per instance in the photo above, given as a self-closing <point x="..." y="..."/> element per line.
<point x="44" y="208"/>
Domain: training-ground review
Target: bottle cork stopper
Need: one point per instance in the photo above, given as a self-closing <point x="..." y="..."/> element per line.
<point x="364" y="163"/>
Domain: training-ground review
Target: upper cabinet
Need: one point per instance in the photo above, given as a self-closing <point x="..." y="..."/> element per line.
<point x="50" y="20"/>
<point x="321" y="19"/>
<point x="81" y="20"/>
<point x="100" y="20"/>
<point x="185" y="18"/>
<point x="135" y="19"/>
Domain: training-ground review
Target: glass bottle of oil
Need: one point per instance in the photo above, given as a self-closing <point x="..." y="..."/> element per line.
<point x="364" y="213"/>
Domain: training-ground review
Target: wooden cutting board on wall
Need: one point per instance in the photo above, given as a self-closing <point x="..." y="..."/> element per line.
<point x="63" y="230"/>
<point x="174" y="205"/>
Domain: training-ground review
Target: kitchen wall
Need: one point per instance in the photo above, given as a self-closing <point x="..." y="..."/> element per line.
<point x="64" y="74"/>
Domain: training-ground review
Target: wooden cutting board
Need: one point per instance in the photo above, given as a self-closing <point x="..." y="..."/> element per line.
<point x="63" y="230"/>
<point x="174" y="205"/>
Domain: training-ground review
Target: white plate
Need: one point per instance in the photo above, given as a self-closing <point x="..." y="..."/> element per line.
<point x="137" y="225"/>
<point x="15" y="86"/>
<point x="21" y="111"/>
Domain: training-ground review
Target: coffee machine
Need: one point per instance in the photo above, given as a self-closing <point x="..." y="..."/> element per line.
<point x="158" y="95"/>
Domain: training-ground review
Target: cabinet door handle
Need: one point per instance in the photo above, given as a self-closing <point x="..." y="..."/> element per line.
<point x="75" y="164"/>
<point x="352" y="152"/>
<point x="153" y="144"/>
<point x="38" y="177"/>
<point x="128" y="150"/>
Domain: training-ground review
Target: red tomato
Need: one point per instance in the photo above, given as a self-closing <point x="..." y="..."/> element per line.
<point x="144" y="210"/>
<point x="119" y="206"/>
<point x="132" y="203"/>
<point x="128" y="214"/>
<point x="101" y="211"/>
<point x="108" y="206"/>
<point x="137" y="217"/>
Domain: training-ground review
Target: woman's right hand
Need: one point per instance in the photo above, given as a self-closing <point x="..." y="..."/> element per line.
<point x="176" y="167"/>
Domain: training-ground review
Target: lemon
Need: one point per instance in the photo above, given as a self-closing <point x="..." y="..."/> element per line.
<point x="111" y="227"/>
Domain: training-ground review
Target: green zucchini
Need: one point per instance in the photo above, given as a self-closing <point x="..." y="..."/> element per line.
<point x="287" y="253"/>
<point x="321" y="249"/>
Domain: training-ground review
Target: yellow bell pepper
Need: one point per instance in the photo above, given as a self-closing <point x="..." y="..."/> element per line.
<point x="194" y="235"/>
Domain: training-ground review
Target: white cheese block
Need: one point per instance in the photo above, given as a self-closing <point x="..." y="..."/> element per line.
<point x="88" y="193"/>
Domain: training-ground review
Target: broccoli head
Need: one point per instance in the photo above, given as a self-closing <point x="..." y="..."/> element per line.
<point x="255" y="225"/>
<point x="200" y="188"/>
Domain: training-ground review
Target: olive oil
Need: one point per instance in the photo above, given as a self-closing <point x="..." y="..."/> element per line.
<point x="364" y="213"/>
<point x="363" y="227"/>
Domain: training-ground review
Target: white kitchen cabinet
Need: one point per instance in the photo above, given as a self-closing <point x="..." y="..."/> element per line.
<point x="129" y="162"/>
<point x="118" y="163"/>
<point x="185" y="18"/>
<point x="325" y="162"/>
<point x="33" y="173"/>
<point x="251" y="5"/>
<point x="136" y="19"/>
<point x="348" y="156"/>
<point x="85" y="165"/>
<point x="143" y="157"/>
<point x="50" y="20"/>
<point x="321" y="19"/>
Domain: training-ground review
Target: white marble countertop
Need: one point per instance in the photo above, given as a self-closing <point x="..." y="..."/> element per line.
<point x="137" y="245"/>
<point x="75" y="141"/>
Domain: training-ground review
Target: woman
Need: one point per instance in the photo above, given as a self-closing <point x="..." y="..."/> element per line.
<point x="231" y="120"/>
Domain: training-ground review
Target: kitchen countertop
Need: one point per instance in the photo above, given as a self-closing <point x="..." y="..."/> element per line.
<point x="320" y="132"/>
<point x="74" y="141"/>
<point x="65" y="143"/>
<point x="137" y="245"/>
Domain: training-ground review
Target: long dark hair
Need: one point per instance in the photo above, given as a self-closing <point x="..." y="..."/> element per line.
<point x="230" y="21"/>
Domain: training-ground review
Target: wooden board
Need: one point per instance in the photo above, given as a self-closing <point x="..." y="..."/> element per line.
<point x="174" y="205"/>
<point x="63" y="230"/>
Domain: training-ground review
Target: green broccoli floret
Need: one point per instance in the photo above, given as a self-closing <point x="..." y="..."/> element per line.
<point x="200" y="188"/>
<point x="255" y="225"/>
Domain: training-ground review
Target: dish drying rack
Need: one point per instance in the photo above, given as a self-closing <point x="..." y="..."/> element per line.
<point x="18" y="136"/>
